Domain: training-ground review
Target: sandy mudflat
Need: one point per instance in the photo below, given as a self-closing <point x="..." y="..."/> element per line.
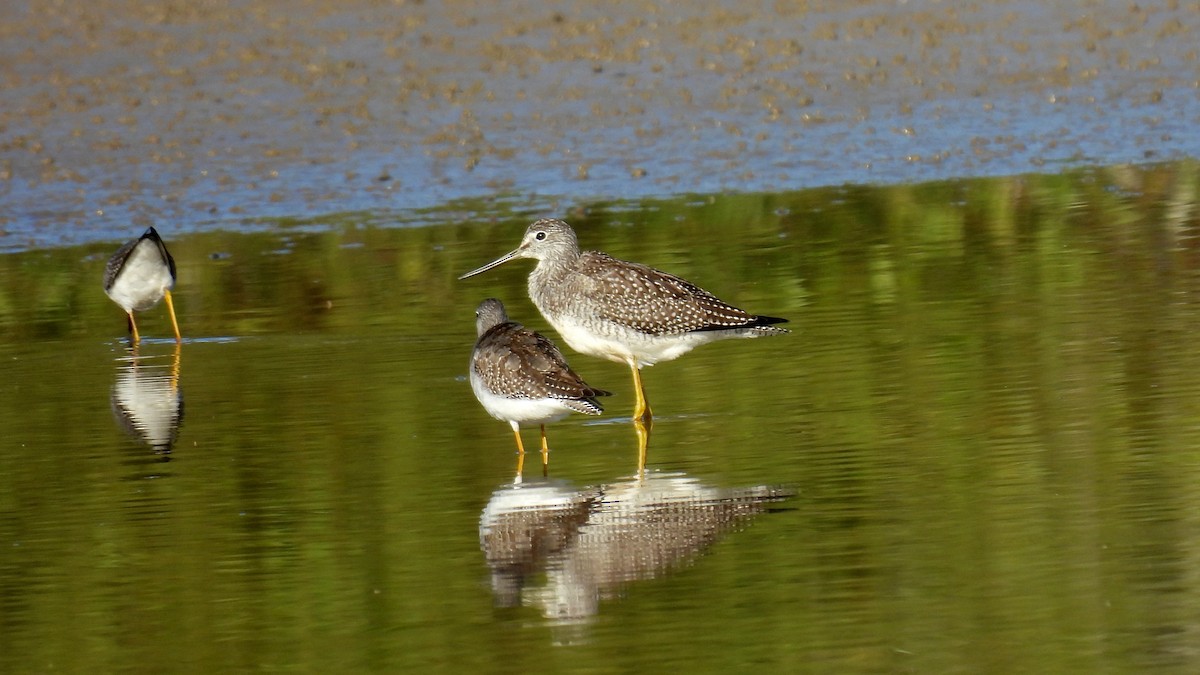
<point x="117" y="114"/>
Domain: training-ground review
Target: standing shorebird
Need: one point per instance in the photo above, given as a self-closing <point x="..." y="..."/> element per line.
<point x="520" y="377"/>
<point x="623" y="311"/>
<point x="138" y="275"/>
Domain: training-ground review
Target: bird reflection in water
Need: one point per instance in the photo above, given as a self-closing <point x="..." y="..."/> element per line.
<point x="564" y="550"/>
<point x="146" y="400"/>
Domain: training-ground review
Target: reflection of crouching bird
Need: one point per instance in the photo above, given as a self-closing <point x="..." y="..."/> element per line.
<point x="147" y="402"/>
<point x="520" y="377"/>
<point x="138" y="275"/>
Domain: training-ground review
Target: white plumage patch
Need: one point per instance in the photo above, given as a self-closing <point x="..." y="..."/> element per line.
<point x="143" y="278"/>
<point x="519" y="410"/>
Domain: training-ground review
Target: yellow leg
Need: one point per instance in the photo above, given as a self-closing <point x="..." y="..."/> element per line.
<point x="133" y="328"/>
<point x="171" y="308"/>
<point x="520" y="449"/>
<point x="545" y="454"/>
<point x="641" y="410"/>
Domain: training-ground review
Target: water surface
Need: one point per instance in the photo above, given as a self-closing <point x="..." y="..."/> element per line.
<point x="976" y="450"/>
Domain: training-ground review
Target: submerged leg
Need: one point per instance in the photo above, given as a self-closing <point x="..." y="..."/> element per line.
<point x="643" y="436"/>
<point x="133" y="328"/>
<point x="641" y="410"/>
<point x="171" y="308"/>
<point x="175" y="369"/>
<point x="545" y="454"/>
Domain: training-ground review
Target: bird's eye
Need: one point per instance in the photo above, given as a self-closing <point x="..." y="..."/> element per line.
<point x="540" y="236"/>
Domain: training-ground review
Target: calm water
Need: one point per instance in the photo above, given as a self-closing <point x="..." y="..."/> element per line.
<point x="977" y="451"/>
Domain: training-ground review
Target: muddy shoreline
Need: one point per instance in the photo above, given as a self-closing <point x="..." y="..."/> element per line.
<point x="119" y="114"/>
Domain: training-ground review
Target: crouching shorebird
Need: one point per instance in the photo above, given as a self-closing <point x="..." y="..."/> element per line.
<point x="520" y="377"/>
<point x="623" y="311"/>
<point x="138" y="275"/>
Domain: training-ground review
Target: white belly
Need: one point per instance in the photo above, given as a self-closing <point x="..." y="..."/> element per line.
<point x="617" y="343"/>
<point x="143" y="279"/>
<point x="519" y="410"/>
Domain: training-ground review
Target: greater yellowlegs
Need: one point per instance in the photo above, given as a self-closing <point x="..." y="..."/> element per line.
<point x="623" y="311"/>
<point x="138" y="275"/>
<point x="520" y="377"/>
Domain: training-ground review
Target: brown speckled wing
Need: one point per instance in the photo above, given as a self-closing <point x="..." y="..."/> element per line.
<point x="116" y="262"/>
<point x="520" y="363"/>
<point x="654" y="302"/>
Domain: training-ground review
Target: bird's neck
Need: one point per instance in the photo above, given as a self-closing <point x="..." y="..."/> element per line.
<point x="555" y="268"/>
<point x="550" y="275"/>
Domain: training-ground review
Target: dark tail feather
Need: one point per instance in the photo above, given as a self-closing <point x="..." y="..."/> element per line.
<point x="765" y="321"/>
<point x="756" y="322"/>
<point x="587" y="406"/>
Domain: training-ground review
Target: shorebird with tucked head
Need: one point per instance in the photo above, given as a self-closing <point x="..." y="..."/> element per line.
<point x="520" y="377"/>
<point x="138" y="275"/>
